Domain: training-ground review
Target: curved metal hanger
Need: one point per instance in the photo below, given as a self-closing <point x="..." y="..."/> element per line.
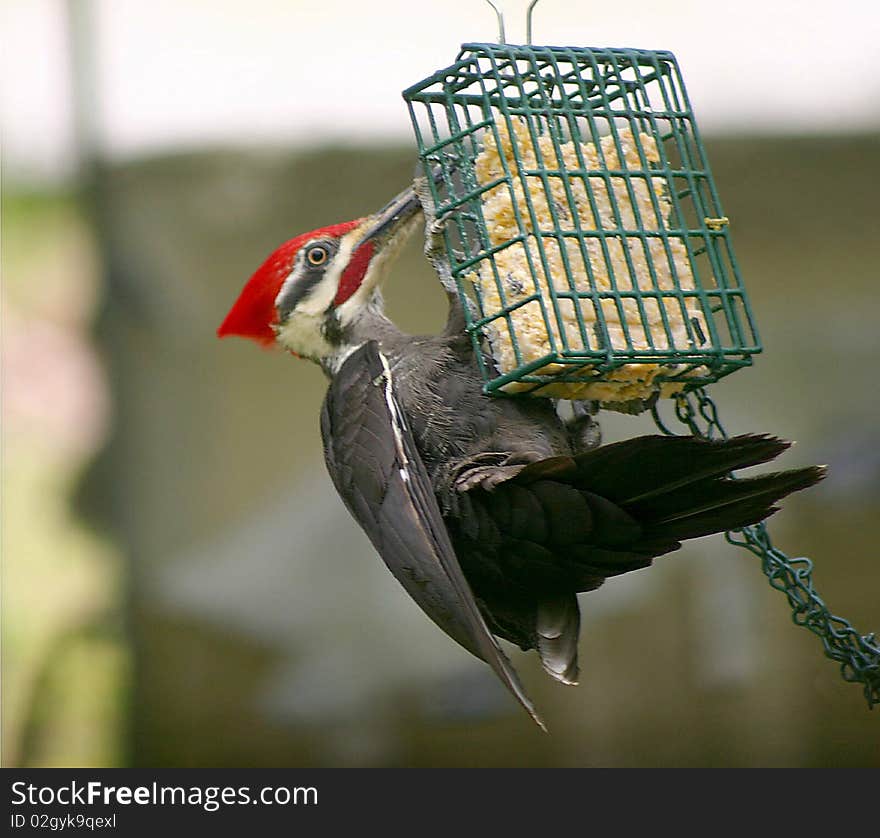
<point x="500" y="15"/>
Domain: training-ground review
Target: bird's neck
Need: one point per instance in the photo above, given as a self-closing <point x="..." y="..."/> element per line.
<point x="370" y="323"/>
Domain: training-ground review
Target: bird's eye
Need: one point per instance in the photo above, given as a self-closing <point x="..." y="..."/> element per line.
<point x="317" y="255"/>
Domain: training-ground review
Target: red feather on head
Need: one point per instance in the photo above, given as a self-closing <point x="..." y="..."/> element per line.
<point x="254" y="314"/>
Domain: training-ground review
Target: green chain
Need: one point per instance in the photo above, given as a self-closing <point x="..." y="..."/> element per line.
<point x="858" y="655"/>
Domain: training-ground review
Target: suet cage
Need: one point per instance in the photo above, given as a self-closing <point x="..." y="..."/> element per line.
<point x="581" y="224"/>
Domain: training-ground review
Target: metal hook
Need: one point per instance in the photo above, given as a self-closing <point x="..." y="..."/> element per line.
<point x="529" y="21"/>
<point x="500" y="15"/>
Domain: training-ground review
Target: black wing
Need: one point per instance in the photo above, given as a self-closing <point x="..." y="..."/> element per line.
<point x="374" y="463"/>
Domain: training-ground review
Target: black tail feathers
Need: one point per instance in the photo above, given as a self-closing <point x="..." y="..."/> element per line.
<point x="679" y="487"/>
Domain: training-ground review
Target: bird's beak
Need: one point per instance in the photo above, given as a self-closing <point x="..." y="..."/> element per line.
<point x="392" y="219"/>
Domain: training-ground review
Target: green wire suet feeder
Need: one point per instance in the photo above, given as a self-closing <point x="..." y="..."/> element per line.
<point x="575" y="188"/>
<point x="572" y="209"/>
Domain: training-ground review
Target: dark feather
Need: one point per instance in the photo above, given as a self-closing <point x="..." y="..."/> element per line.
<point x="635" y="469"/>
<point x="378" y="471"/>
<point x="565" y="524"/>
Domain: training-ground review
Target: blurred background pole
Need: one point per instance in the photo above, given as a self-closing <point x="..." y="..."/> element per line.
<point x="94" y="199"/>
<point x="84" y="83"/>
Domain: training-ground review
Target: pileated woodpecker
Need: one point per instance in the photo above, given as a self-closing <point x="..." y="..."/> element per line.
<point x="493" y="513"/>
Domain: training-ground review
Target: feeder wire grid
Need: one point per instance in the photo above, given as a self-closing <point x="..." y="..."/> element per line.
<point x="573" y="191"/>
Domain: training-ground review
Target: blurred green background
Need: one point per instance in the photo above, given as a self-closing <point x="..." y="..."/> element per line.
<point x="182" y="587"/>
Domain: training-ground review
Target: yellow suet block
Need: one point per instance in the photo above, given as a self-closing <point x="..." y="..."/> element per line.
<point x="560" y="202"/>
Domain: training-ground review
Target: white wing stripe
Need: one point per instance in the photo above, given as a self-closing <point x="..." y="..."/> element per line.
<point x="396" y="419"/>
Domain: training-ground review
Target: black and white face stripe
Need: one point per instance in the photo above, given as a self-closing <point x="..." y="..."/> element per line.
<point x="309" y="268"/>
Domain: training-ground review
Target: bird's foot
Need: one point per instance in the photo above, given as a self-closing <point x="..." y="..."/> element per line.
<point x="490" y="470"/>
